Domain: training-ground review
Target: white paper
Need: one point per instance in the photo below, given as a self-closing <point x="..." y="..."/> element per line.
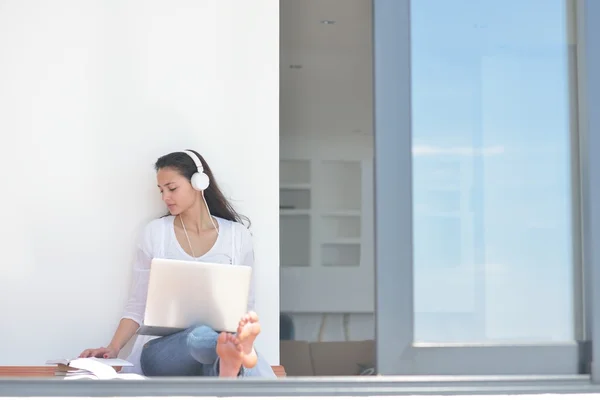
<point x="113" y="362"/>
<point x="94" y="366"/>
<point x="87" y="375"/>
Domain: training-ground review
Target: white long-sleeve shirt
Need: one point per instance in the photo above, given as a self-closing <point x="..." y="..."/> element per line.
<point x="233" y="246"/>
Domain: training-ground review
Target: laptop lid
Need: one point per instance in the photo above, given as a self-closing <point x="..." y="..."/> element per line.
<point x="186" y="293"/>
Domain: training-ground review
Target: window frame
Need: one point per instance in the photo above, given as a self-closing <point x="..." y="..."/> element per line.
<point x="588" y="36"/>
<point x="394" y="215"/>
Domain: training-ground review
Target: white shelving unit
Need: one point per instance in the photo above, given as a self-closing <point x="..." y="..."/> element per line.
<point x="326" y="236"/>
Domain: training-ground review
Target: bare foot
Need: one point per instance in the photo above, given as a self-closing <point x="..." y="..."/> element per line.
<point x="248" y="330"/>
<point x="230" y="354"/>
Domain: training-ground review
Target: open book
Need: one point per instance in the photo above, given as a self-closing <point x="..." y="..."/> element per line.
<point x="92" y="368"/>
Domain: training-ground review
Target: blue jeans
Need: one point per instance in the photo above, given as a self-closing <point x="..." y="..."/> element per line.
<point x="192" y="352"/>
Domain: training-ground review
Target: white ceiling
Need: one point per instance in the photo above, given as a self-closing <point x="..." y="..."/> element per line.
<point x="326" y="69"/>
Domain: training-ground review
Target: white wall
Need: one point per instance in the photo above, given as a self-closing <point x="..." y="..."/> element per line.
<point x="91" y="93"/>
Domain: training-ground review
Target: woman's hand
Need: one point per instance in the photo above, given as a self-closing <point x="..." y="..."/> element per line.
<point x="100" y="352"/>
<point x="125" y="331"/>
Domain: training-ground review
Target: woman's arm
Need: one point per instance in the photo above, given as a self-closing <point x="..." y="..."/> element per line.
<point x="138" y="292"/>
<point x="125" y="331"/>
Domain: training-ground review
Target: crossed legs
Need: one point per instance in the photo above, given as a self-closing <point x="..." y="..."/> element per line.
<point x="200" y="351"/>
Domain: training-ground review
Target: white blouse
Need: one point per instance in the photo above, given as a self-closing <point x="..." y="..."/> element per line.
<point x="233" y="246"/>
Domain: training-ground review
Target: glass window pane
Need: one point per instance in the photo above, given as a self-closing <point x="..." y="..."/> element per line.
<point x="491" y="156"/>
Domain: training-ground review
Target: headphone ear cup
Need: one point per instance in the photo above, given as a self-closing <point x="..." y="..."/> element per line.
<point x="200" y="181"/>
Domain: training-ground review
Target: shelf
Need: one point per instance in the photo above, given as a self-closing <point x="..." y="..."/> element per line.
<point x="341" y="213"/>
<point x="294" y="172"/>
<point x="336" y="255"/>
<point x="340" y="227"/>
<point x="294" y="212"/>
<point x="325" y="234"/>
<point x="355" y="241"/>
<point x="343" y="180"/>
<point x="295" y="186"/>
<point x="294" y="244"/>
<point x="290" y="199"/>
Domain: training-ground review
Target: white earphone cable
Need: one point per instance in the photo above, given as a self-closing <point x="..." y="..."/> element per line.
<point x="186" y="235"/>
<point x="185" y="230"/>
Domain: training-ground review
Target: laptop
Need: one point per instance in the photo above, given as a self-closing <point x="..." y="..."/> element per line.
<point x="185" y="293"/>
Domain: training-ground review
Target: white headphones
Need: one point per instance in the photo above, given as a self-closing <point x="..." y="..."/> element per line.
<point x="199" y="180"/>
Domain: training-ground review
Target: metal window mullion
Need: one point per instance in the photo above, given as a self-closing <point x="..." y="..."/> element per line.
<point x="588" y="16"/>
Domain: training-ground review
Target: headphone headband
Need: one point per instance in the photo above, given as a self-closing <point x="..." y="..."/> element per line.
<point x="196" y="160"/>
<point x="199" y="179"/>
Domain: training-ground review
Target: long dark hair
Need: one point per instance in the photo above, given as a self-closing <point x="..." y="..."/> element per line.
<point x="217" y="203"/>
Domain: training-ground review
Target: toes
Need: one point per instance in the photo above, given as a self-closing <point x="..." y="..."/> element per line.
<point x="241" y="325"/>
<point x="252" y="316"/>
<point x="222" y="339"/>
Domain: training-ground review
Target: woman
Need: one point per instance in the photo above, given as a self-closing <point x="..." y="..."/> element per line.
<point x="201" y="225"/>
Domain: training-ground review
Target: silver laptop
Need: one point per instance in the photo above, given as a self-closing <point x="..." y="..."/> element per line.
<point x="185" y="293"/>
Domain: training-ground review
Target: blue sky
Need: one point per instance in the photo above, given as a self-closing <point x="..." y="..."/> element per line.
<point x="493" y="251"/>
